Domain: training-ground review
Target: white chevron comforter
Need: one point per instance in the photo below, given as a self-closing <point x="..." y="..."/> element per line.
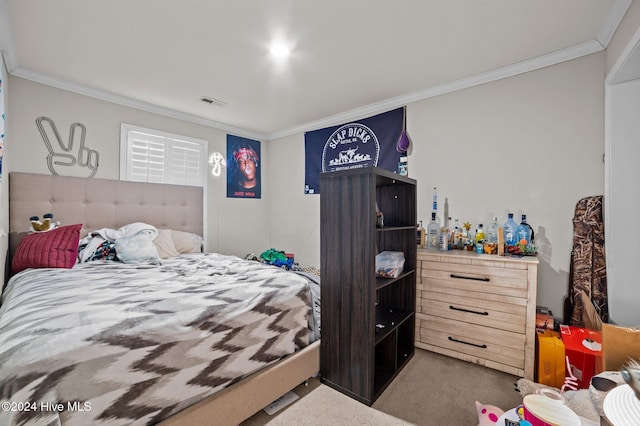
<point x="120" y="344"/>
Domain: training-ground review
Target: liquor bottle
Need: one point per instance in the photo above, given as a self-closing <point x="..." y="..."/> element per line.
<point x="433" y="233"/>
<point x="457" y="234"/>
<point x="533" y="237"/>
<point x="524" y="232"/>
<point x="492" y="231"/>
<point x="510" y="230"/>
<point x="479" y="234"/>
<point x="444" y="239"/>
<point x="447" y="218"/>
<point x="434" y="205"/>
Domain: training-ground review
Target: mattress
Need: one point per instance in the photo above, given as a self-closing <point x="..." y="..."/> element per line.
<point x="108" y="342"/>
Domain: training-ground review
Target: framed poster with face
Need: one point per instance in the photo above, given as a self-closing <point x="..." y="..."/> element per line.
<point x="243" y="168"/>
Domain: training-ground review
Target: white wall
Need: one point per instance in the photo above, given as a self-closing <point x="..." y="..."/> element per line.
<point x="530" y="144"/>
<point x="622" y="144"/>
<point x="294" y="224"/>
<point x="624" y="203"/>
<point x="235" y="226"/>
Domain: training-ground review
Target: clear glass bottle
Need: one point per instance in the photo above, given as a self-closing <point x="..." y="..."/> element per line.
<point x="433" y="233"/>
<point x="524" y="232"/>
<point x="510" y="231"/>
<point x="457" y="234"/>
<point x="444" y="239"/>
<point x="492" y="231"/>
<point x="434" y="205"/>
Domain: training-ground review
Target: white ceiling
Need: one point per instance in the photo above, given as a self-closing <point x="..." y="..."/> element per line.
<point x="350" y="58"/>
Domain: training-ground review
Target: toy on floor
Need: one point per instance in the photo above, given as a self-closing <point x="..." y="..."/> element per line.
<point x="47" y="224"/>
<point x="570" y="381"/>
<point x="487" y="414"/>
<point x="520" y="411"/>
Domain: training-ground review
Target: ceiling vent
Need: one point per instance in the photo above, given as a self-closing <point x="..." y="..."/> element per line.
<point x="213" y="101"/>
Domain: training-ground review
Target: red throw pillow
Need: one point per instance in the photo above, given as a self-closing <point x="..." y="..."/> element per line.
<point x="57" y="248"/>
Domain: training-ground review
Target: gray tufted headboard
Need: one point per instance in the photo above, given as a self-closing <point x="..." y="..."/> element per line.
<point x="100" y="203"/>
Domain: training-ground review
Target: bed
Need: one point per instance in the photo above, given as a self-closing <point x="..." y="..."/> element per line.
<point x="203" y="338"/>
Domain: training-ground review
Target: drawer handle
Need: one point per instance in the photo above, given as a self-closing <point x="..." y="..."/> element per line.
<point x="468" y="310"/>
<point x="462" y="277"/>
<point x="467" y="343"/>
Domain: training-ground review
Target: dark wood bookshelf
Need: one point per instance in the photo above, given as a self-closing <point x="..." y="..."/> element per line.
<point x="368" y="322"/>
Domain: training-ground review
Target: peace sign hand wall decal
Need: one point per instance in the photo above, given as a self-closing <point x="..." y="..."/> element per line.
<point x="85" y="158"/>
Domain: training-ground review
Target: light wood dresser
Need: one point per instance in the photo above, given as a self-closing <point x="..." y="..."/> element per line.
<point x="479" y="308"/>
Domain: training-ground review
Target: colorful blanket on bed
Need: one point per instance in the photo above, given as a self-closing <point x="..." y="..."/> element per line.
<point x="107" y="342"/>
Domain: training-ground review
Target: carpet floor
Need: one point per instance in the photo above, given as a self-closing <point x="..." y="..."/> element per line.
<point x="431" y="390"/>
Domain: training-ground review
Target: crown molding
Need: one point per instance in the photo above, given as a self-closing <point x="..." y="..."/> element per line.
<point x="129" y="102"/>
<point x="612" y="22"/>
<point x="549" y="59"/>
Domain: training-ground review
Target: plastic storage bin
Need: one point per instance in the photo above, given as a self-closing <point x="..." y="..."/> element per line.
<point x="389" y="264"/>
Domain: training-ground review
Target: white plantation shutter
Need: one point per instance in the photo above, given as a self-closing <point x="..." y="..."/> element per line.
<point x="186" y="165"/>
<point x="154" y="156"/>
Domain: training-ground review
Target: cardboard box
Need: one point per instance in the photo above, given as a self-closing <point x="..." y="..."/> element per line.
<point x="619" y="345"/>
<point x="584" y="349"/>
<point x="550" y="362"/>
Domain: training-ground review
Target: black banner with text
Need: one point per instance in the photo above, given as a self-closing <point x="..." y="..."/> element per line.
<point x="370" y="142"/>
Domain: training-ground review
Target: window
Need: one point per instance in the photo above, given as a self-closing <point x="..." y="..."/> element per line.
<point x="154" y="156"/>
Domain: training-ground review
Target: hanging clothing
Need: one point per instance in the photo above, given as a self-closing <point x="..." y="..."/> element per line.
<point x="588" y="272"/>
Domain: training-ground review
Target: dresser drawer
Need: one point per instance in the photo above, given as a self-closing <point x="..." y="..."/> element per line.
<point x="468" y="308"/>
<point x="445" y="276"/>
<point x="498" y="346"/>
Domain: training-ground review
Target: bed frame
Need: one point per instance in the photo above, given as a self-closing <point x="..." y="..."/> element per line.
<point x="102" y="203"/>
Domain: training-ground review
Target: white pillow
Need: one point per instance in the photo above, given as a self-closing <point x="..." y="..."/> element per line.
<point x="186" y="242"/>
<point x="164" y="244"/>
<point x="137" y="248"/>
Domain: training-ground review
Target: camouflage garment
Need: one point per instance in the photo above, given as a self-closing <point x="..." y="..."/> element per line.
<point x="588" y="263"/>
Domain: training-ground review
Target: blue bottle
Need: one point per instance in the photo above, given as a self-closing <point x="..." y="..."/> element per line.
<point x="524" y="231"/>
<point x="510" y="231"/>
